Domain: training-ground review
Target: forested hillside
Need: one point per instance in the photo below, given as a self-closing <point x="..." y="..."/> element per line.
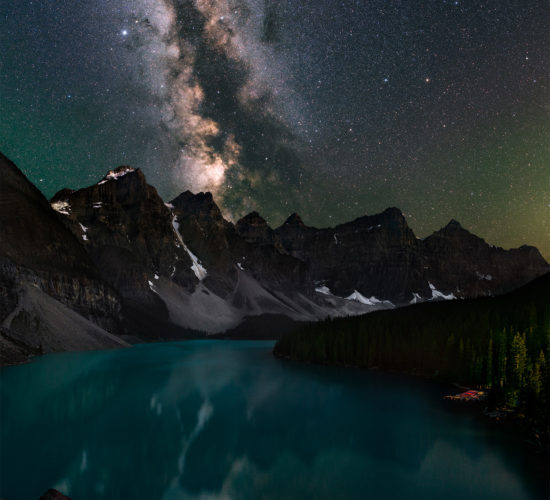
<point x="501" y="344"/>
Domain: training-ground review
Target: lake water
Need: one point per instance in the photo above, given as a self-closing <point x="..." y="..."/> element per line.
<point x="223" y="419"/>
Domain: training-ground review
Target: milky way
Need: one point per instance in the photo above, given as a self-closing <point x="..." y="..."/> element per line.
<point x="331" y="109"/>
<point x="225" y="102"/>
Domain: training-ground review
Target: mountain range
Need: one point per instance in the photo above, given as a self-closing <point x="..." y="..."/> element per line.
<point x="114" y="263"/>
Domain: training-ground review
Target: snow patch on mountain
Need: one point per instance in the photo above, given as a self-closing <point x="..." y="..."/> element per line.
<point x="416" y="298"/>
<point x="325" y="290"/>
<point x="486" y="277"/>
<point x="436" y="294"/>
<point x="369" y="301"/>
<point x="197" y="267"/>
<point x="355" y="297"/>
<point x="113" y="175"/>
<point x="62" y="207"/>
<point x="122" y="172"/>
<point x="84" y="231"/>
<point x="152" y="287"/>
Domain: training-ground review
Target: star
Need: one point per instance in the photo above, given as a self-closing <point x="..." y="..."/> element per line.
<point x="124" y="32"/>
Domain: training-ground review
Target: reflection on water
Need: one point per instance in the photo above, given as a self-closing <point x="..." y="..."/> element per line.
<point x="219" y="420"/>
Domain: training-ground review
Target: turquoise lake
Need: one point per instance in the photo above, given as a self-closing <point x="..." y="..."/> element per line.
<point x="226" y="420"/>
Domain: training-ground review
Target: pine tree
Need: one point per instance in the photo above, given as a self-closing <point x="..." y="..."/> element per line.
<point x="519" y="359"/>
<point x="538" y="379"/>
<point x="489" y="374"/>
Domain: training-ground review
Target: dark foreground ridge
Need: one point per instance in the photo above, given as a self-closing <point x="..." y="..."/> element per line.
<point x="112" y="263"/>
<point x="499" y="344"/>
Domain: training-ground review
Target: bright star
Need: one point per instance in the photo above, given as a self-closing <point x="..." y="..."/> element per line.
<point x="124" y="32"/>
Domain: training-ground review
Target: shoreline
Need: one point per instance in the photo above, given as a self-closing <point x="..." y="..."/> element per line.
<point x="477" y="408"/>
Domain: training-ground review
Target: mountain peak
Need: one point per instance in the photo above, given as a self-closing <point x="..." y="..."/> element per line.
<point x="252" y="219"/>
<point x="294" y="220"/>
<point x="454" y="231"/>
<point x="201" y="203"/>
<point x="62" y="195"/>
<point x="188" y="196"/>
<point x="393" y="211"/>
<point x="255" y="229"/>
<point x="453" y="223"/>
<point x="117" y="173"/>
<point x="391" y="217"/>
<point x="394" y="214"/>
<point x="120" y="171"/>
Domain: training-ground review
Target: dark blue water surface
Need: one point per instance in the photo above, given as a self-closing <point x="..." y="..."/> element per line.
<point x="223" y="419"/>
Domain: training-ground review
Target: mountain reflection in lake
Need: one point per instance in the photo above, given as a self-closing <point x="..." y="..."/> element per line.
<point x="222" y="419"/>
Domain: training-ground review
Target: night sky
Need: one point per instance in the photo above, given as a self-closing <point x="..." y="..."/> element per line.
<point x="330" y="109"/>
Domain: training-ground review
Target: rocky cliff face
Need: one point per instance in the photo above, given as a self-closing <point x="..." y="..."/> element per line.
<point x="124" y="260"/>
<point x="379" y="255"/>
<point x="209" y="235"/>
<point x="456" y="261"/>
<point x="254" y="229"/>
<point x="376" y="255"/>
<point x="131" y="237"/>
<point x="38" y="252"/>
<point x="126" y="230"/>
<point x="227" y="250"/>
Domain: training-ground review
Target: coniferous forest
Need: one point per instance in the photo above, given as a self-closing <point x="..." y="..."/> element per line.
<point x="499" y="344"/>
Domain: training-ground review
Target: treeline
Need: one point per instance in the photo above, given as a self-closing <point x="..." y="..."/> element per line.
<point x="500" y="344"/>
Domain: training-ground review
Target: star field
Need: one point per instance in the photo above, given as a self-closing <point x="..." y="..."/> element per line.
<point x="330" y="109"/>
